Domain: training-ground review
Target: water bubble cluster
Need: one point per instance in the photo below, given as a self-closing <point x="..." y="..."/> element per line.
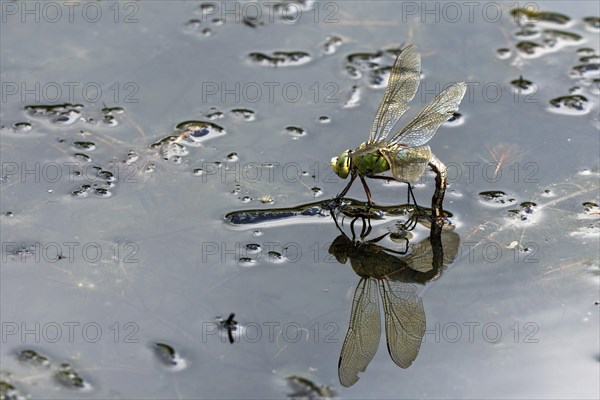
<point x="541" y="33"/>
<point x="253" y="253"/>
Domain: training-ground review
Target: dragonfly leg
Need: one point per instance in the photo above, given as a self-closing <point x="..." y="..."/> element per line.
<point x="367" y="191"/>
<point x="352" y="178"/>
<point x="440" y="187"/>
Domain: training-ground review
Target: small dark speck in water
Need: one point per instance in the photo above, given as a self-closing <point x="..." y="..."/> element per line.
<point x="455" y="120"/>
<point x="522" y="85"/>
<point x="232" y="157"/>
<point x="503" y="53"/>
<point x="324" y="119"/>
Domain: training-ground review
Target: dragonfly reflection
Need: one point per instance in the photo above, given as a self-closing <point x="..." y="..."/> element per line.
<point x="393" y="274"/>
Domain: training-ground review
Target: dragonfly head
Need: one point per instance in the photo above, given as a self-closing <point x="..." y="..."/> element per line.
<point x="341" y="164"/>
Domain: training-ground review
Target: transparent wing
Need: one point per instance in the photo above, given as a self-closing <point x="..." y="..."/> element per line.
<point x="363" y="334"/>
<point x="404" y="320"/>
<point x="401" y="88"/>
<point x="421" y="129"/>
<point x="407" y="165"/>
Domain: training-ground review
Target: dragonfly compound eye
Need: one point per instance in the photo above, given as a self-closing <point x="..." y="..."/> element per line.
<point x="341" y="164"/>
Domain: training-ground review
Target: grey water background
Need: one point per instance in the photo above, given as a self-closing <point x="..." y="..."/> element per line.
<point x="502" y="322"/>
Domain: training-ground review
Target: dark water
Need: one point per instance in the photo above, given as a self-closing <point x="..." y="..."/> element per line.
<point x="130" y="130"/>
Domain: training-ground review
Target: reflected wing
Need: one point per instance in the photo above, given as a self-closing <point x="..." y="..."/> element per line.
<point x="401" y="88"/>
<point x="363" y="334"/>
<point x="421" y="259"/>
<point x="404" y="320"/>
<point x="421" y="129"/>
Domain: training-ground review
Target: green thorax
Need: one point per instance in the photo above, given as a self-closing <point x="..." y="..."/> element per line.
<point x="403" y="157"/>
<point x="371" y="163"/>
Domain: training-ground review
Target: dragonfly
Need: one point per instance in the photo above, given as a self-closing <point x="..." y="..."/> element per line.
<point x="406" y="152"/>
<point x="387" y="274"/>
